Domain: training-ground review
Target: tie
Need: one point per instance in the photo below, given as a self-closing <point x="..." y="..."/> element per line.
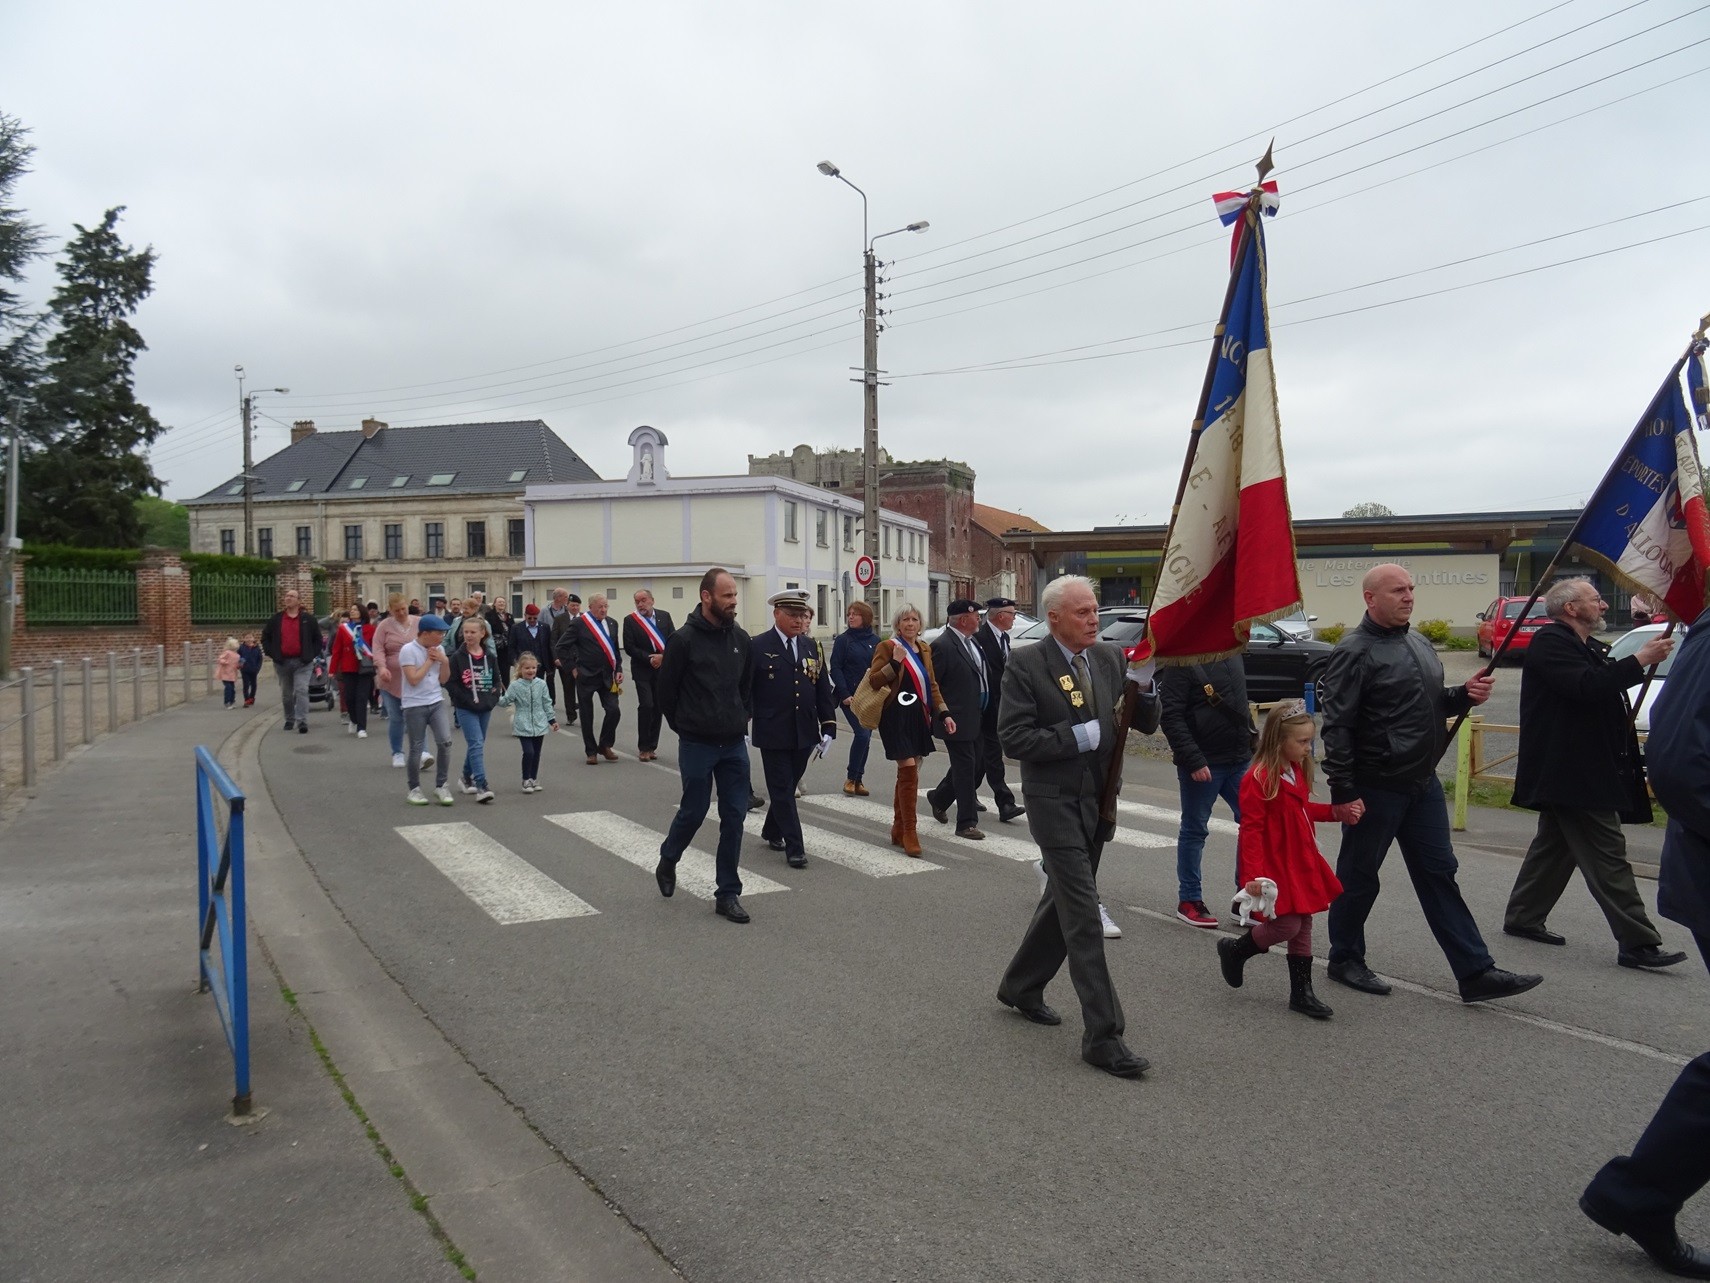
<point x="1005" y="637"/>
<point x="980" y="668"/>
<point x="790" y="646"/>
<point x="1083" y="679"/>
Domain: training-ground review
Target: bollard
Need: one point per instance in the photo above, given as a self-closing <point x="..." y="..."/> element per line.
<point x="1463" y="774"/>
<point x="187" y="695"/>
<point x="136" y="683"/>
<point x="208" y="659"/>
<point x="27" y="676"/>
<point x="112" y="690"/>
<point x="88" y="700"/>
<point x="59" y="710"/>
<point x="160" y="679"/>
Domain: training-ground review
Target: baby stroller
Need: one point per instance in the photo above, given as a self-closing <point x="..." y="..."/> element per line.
<point x="323" y="686"/>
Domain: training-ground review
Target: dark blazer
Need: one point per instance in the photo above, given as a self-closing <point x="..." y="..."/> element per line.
<point x="1062" y="784"/>
<point x="539" y="645"/>
<point x="851" y="656"/>
<point x="639" y="646"/>
<point x="1577" y="746"/>
<point x="959" y="683"/>
<point x="589" y="656"/>
<point x="985" y="637"/>
<point x="308" y="633"/>
<point x="1677" y="755"/>
<point x="566" y="634"/>
<point x="1199" y="731"/>
<point x="793" y="703"/>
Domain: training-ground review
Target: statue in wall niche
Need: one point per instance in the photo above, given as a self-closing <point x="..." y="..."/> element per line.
<point x="646" y="463"/>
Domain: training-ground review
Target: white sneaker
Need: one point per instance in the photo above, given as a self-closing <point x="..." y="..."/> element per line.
<point x="362" y="735"/>
<point x="1039" y="868"/>
<point x="485" y="795"/>
<point x="417" y="798"/>
<point x="397" y="759"/>
<point x="349" y="728"/>
<point x="529" y="786"/>
<point x="444" y="796"/>
<point x="466" y="784"/>
<point x="1111" y="930"/>
<point x="427" y="758"/>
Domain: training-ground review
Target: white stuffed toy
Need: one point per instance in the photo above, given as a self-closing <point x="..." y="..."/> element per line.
<point x="1246" y="906"/>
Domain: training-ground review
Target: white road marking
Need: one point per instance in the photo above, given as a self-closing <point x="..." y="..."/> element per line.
<point x="852" y="853"/>
<point x="1493" y="1009"/>
<point x="1174" y="818"/>
<point x="697" y="872"/>
<point x="507" y="886"/>
<point x="1005" y="848"/>
<point x="1124" y="837"/>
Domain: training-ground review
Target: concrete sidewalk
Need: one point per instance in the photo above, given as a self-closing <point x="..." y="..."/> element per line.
<point x="119" y="1162"/>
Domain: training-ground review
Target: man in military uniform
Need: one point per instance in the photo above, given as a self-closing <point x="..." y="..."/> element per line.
<point x="645" y="632"/>
<point x="992" y="637"/>
<point x="795" y="714"/>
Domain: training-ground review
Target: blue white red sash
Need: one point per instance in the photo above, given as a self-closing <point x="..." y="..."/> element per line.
<point x="916" y="675"/>
<point x="598" y="629"/>
<point x="647" y="624"/>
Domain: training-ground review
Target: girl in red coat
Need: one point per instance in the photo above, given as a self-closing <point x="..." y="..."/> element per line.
<point x="1278" y="845"/>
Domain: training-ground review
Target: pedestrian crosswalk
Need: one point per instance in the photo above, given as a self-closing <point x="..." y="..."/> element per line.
<point x="510" y="890"/>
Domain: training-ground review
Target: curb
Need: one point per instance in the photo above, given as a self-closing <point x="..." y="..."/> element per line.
<point x="514" y="1205"/>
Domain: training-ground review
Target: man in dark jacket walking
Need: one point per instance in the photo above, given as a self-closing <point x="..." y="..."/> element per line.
<point x="992" y="637"/>
<point x="960" y="670"/>
<point x="646" y="629"/>
<point x="292" y="640"/>
<point x="1579" y="769"/>
<point x="794" y="714"/>
<point x="705" y="691"/>
<point x="593" y="643"/>
<point x="1209" y="725"/>
<point x="531" y="636"/>
<point x="1384" y="710"/>
<point x="1642" y="1194"/>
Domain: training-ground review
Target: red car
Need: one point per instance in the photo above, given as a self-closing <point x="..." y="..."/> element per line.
<point x="1498" y="619"/>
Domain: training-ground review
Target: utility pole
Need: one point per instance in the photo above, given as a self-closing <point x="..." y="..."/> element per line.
<point x="10" y="543"/>
<point x="870" y="436"/>
<point x="248" y="499"/>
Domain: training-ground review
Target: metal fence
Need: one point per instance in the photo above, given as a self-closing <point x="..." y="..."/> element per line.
<point x="323" y="597"/>
<point x="56" y="596"/>
<point x="222" y="916"/>
<point x="231" y="599"/>
<point x="46" y="711"/>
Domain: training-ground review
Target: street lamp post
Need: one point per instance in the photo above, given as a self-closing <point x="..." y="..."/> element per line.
<point x="246" y="406"/>
<point x="870" y="384"/>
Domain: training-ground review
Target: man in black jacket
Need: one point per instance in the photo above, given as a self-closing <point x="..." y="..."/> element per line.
<point x="292" y="640"/>
<point x="1209" y="725"/>
<point x="1384" y="711"/>
<point x="992" y="637"/>
<point x="530" y="636"/>
<point x="599" y="675"/>
<point x="794" y="713"/>
<point x="705" y="691"/>
<point x="645" y="632"/>
<point x="959" y="667"/>
<point x="1579" y="769"/>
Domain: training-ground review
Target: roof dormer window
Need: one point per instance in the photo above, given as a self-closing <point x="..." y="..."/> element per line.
<point x="356" y="483"/>
<point x="297" y="485"/>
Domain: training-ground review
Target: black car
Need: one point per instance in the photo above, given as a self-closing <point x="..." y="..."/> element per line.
<point x="1278" y="666"/>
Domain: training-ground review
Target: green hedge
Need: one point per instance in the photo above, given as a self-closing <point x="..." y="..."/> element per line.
<point x="55" y="556"/>
<point x="213" y="563"/>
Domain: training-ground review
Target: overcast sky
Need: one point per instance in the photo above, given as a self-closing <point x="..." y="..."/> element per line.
<point x="442" y="213"/>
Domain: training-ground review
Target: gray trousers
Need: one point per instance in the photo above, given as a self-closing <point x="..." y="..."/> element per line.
<point x="1592" y="841"/>
<point x="418" y="720"/>
<point x="1066" y="925"/>
<point x="293" y="677"/>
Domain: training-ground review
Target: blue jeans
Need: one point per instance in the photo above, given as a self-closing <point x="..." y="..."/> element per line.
<point x="474" y="728"/>
<point x="394" y="720"/>
<point x="701" y="765"/>
<point x="1419" y="820"/>
<point x="1197" y="801"/>
<point x="860" y="739"/>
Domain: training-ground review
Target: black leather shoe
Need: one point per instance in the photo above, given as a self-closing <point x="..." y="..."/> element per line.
<point x="302" y="728"/>
<point x="1356" y="975"/>
<point x="1543" y="935"/>
<point x="756" y="802"/>
<point x="971" y="833"/>
<point x="666" y="876"/>
<point x="1660" y="1242"/>
<point x="797" y="861"/>
<point x="1008" y="813"/>
<point x="290" y="724"/>
<point x="1497" y="983"/>
<point x="730" y="907"/>
<point x="1123" y="1065"/>
<point x="1649" y="958"/>
<point x="981" y="805"/>
<point x="939" y="813"/>
<point x="1040" y="1015"/>
<point x="777" y="844"/>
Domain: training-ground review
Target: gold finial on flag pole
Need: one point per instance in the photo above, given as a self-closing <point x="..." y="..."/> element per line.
<point x="1703" y="326"/>
<point x="1266" y="165"/>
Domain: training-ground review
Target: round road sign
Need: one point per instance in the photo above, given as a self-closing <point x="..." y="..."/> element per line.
<point x="864" y="570"/>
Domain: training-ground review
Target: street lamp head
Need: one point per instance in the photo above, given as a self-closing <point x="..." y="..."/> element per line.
<point x="921" y="226"/>
<point x="283" y="391"/>
<point x="829" y="170"/>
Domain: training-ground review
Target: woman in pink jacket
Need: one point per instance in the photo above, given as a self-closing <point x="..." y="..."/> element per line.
<point x="390" y="636"/>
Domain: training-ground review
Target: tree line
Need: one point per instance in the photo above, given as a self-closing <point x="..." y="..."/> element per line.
<point x="66" y="372"/>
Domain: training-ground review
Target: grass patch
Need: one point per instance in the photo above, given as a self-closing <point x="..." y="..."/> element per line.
<point x="1500" y="794"/>
<point x="418" y="1200"/>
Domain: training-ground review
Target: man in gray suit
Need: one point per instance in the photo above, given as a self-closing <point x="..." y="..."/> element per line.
<point x="1058" y="719"/>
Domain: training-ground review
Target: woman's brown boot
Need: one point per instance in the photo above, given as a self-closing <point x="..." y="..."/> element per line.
<point x="897" y="811"/>
<point x="908" y="798"/>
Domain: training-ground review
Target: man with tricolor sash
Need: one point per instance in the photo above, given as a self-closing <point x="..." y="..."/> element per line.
<point x="646" y="629"/>
<point x="599" y="675"/>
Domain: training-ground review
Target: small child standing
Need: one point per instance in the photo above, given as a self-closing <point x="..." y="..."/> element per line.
<point x="226" y="669"/>
<point x="249" y="665"/>
<point x="424" y="668"/>
<point x="535" y="716"/>
<point x="1277" y="843"/>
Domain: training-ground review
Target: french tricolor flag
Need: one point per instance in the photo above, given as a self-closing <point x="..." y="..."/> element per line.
<point x="1230" y="204"/>
<point x="1229" y="561"/>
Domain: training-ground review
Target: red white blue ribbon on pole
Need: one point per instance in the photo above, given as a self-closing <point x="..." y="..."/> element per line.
<point x="1230" y="206"/>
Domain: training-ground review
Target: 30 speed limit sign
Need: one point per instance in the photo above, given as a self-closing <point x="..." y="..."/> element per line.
<point x="865" y="570"/>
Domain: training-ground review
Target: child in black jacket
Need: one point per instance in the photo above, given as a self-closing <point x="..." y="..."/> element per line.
<point x="474" y="690"/>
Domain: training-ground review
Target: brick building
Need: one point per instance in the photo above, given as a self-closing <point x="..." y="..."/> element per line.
<point x="1001" y="571"/>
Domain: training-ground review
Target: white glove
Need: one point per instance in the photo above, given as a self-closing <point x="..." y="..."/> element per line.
<point x="1087" y="736"/>
<point x="824" y="745"/>
<point x="1142" y="674"/>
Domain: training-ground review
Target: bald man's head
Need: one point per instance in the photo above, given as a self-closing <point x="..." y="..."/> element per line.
<point x="1388" y="590"/>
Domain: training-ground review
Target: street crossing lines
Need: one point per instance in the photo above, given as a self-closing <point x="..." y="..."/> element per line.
<point x="853" y="853"/>
<point x="508" y="887"/>
<point x="1126" y="837"/>
<point x="639" y="845"/>
<point x="1006" y="848"/>
<point x="1149" y="812"/>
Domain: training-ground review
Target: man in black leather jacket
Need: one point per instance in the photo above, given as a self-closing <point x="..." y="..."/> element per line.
<point x="1384" y="711"/>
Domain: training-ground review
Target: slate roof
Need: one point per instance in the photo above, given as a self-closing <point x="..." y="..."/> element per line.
<point x="482" y="455"/>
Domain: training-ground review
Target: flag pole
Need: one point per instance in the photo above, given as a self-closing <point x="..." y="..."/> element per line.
<point x="1130" y="690"/>
<point x="1644" y="686"/>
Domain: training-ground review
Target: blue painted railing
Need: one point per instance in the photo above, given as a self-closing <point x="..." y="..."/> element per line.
<point x="222" y="913"/>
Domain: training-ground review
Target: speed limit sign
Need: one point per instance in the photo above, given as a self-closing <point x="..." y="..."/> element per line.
<point x="864" y="570"/>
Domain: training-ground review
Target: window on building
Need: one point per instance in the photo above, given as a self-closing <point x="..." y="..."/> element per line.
<point x="235" y="488"/>
<point x="790" y="535"/>
<point x="395" y="588"/>
<point x="442" y="478"/>
<point x="264" y="541"/>
<point x="677" y="593"/>
<point x="475" y="538"/>
<point x="611" y="597"/>
<point x="297" y="485"/>
<point x="228" y="541"/>
<point x="305" y="542"/>
<point x="885" y="607"/>
<point x="356" y="483"/>
<point x="822" y="528"/>
<point x="394" y="542"/>
<point x="825" y="603"/>
<point x="477" y="586"/>
<point x="516" y="536"/>
<point x="353" y="543"/>
<point x="887" y="541"/>
<point x="433" y="537"/>
<point x="519" y="474"/>
<point x="849" y="534"/>
<point x="435" y="594"/>
<point x="398" y="483"/>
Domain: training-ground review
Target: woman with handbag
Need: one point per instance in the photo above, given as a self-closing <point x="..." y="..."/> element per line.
<point x="352" y="662"/>
<point x="902" y="669"/>
<point x="851" y="657"/>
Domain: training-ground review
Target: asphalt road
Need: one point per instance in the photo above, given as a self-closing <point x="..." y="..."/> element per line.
<point x="832" y="1093"/>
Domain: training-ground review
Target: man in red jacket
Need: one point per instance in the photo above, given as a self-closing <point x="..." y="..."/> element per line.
<point x="292" y="640"/>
